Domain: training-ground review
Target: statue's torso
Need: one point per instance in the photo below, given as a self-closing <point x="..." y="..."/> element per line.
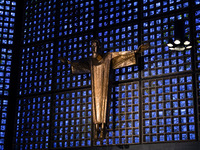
<point x="100" y="79"/>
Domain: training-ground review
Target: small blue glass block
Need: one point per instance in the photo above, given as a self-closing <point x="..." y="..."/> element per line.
<point x="190" y="111"/>
<point x="130" y="132"/>
<point x="104" y="142"/>
<point x="136" y="116"/>
<point x="183" y="128"/>
<point x="169" y="137"/>
<point x="191" y="119"/>
<point x="191" y="128"/>
<point x="153" y="114"/>
<point x="77" y="143"/>
<point x="154" y="130"/>
<point x="192" y="136"/>
<point x="116" y="140"/>
<point x="176" y="120"/>
<point x="110" y="141"/>
<point x="136" y="123"/>
<point x="88" y="142"/>
<point x="147" y="138"/>
<point x="146" y="115"/>
<point x="146" y="123"/>
<point x="184" y="136"/>
<point x="110" y="133"/>
<point x="98" y="143"/>
<point x="197" y="2"/>
<point x="154" y="138"/>
<point x="182" y="104"/>
<point x="153" y="107"/>
<point x="130" y="116"/>
<point x="161" y="129"/>
<point x="168" y="121"/>
<point x="176" y="128"/>
<point x="123" y="132"/>
<point x="71" y="143"/>
<point x="176" y="137"/>
<point x="146" y="107"/>
<point x="161" y="138"/>
<point x="154" y="122"/>
<point x="161" y="121"/>
<point x="147" y="130"/>
<point x="116" y="133"/>
<point x="183" y="111"/>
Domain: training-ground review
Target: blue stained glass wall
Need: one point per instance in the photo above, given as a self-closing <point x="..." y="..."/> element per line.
<point x="36" y="69"/>
<point x="39" y="21"/>
<point x="76" y="16"/>
<point x="198" y="100"/>
<point x="3" y="118"/>
<point x="197" y="38"/>
<point x="7" y="21"/>
<point x="168" y="109"/>
<point x="158" y="59"/>
<point x="72" y="123"/>
<point x="33" y="123"/>
<point x="153" y="7"/>
<point x="197" y="2"/>
<point x="115" y="12"/>
<point x="73" y="49"/>
<point x="197" y="58"/>
<point x="150" y="102"/>
<point x="121" y="39"/>
<point x="7" y="25"/>
<point x="5" y="70"/>
<point x="123" y="116"/>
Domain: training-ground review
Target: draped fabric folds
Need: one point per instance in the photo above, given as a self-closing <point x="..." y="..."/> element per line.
<point x="100" y="68"/>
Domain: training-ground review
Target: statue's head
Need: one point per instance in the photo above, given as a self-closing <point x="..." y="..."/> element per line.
<point x="95" y="48"/>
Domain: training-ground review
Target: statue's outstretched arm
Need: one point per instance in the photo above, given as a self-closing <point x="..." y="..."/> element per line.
<point x="78" y="67"/>
<point x="141" y="48"/>
<point x="64" y="60"/>
<point x="126" y="58"/>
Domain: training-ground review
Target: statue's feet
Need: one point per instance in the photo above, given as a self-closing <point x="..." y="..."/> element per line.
<point x="95" y="135"/>
<point x="101" y="135"/>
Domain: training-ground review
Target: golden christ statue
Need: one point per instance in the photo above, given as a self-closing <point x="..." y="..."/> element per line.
<point x="99" y="66"/>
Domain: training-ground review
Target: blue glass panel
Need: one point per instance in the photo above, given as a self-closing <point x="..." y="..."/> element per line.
<point x="39" y="23"/>
<point x="197" y="2"/>
<point x="126" y="12"/>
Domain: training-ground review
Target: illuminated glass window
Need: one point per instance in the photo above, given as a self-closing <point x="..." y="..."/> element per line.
<point x="39" y="23"/>
<point x="151" y="104"/>
<point x="153" y="7"/>
<point x="5" y="70"/>
<point x="73" y="49"/>
<point x="36" y="69"/>
<point x="123" y="119"/>
<point x="198" y="100"/>
<point x="72" y="125"/>
<point x="3" y="117"/>
<point x="197" y="2"/>
<point x="197" y="27"/>
<point x="33" y="123"/>
<point x="7" y="20"/>
<point x="76" y="16"/>
<point x="158" y="59"/>
<point x="114" y="12"/>
<point x="168" y="109"/>
<point x="121" y="39"/>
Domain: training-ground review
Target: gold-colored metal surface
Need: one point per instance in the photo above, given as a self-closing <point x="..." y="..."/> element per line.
<point x="99" y="67"/>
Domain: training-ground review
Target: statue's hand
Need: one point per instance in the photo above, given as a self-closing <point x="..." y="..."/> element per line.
<point x="64" y="60"/>
<point x="142" y="48"/>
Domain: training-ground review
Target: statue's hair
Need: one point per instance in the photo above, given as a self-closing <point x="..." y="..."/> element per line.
<point x="98" y="45"/>
<point x="97" y="41"/>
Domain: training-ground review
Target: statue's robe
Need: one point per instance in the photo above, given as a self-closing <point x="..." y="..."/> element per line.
<point x="99" y="68"/>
